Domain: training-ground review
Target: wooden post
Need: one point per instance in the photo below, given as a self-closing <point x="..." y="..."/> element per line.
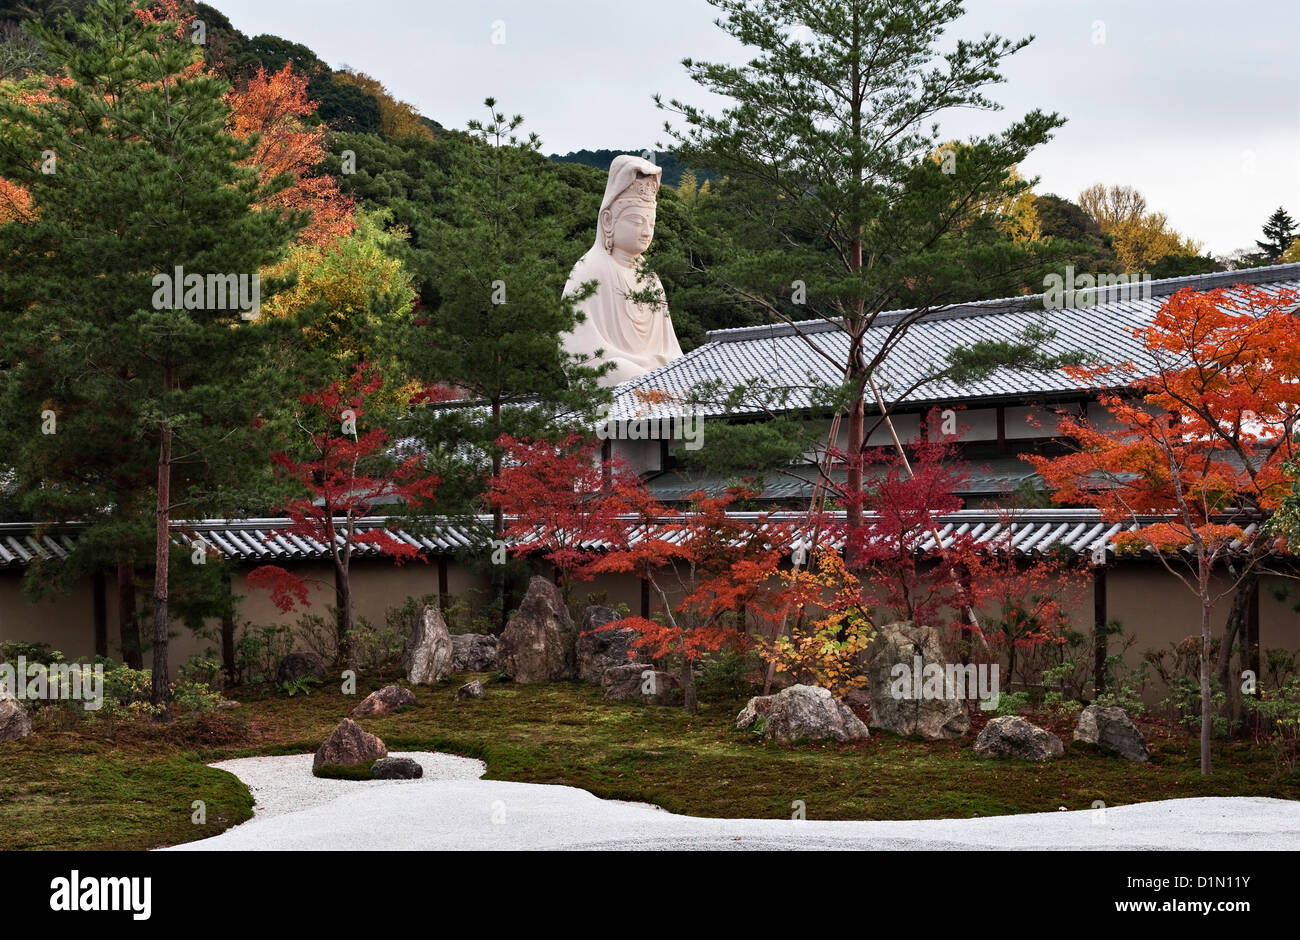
<point x="442" y="585"/>
<point x="100" y="613"/>
<point x="1099" y="621"/>
<point x="645" y="598"/>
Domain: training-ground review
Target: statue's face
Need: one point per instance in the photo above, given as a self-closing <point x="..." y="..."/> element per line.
<point x="634" y="229"/>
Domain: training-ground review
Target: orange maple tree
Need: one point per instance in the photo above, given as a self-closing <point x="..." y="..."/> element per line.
<point x="722" y="566"/>
<point x="1193" y="450"/>
<point x="273" y="107"/>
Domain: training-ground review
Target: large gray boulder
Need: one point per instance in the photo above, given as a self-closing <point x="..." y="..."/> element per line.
<point x="14" y="722"/>
<point x="300" y="664"/>
<point x="386" y="701"/>
<point x="803" y="713"/>
<point x="896" y="644"/>
<point x="641" y="682"/>
<point x="597" y="649"/>
<point x="348" y="745"/>
<point x="1012" y="736"/>
<point x="428" y="657"/>
<point x="1111" y="729"/>
<point x="538" y="642"/>
<point x="474" y="652"/>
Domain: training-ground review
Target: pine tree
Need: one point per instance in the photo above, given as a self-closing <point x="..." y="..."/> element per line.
<point x="1279" y="232"/>
<point x="116" y="328"/>
<point x="830" y="138"/>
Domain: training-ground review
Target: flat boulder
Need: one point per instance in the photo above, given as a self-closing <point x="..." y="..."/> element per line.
<point x="641" y="682"/>
<point x="911" y="710"/>
<point x="538" y="642"/>
<point x="1012" y="736"/>
<point x="14" y="722"/>
<point x="301" y="664"/>
<point x="386" y="701"/>
<point x="470" y="690"/>
<point x="598" y="649"/>
<point x="474" y="652"/>
<point x="428" y="654"/>
<point x="803" y="713"/>
<point x="1111" y="729"/>
<point x="348" y="745"/>
<point x="396" y="768"/>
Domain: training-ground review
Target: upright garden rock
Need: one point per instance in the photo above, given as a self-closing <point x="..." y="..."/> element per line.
<point x="428" y="657"/>
<point x="1012" y="736"/>
<point x="538" y="642"/>
<point x="348" y="745"/>
<point x="899" y="644"/>
<point x="386" y="701"/>
<point x="14" y="722"/>
<point x="474" y="652"/>
<point x="803" y="712"/>
<point x="641" y="682"/>
<point x="1111" y="729"/>
<point x="301" y="664"/>
<point x="597" y="651"/>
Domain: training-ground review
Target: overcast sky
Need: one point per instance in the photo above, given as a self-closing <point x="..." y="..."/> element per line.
<point x="1194" y="102"/>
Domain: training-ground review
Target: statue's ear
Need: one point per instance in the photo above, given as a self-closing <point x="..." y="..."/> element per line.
<point x="607" y="228"/>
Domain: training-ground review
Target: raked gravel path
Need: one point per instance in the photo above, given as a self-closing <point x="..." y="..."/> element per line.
<point x="451" y="808"/>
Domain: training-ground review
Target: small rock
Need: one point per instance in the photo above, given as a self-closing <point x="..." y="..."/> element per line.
<point x="641" y="682"/>
<point x="386" y="701"/>
<point x="1013" y="736"/>
<point x="1111" y="729"/>
<point x="396" y="768"/>
<point x="474" y="652"/>
<point x="299" y="664"/>
<point x="470" y="690"/>
<point x="226" y="704"/>
<point x="14" y="723"/>
<point x="347" y="745"/>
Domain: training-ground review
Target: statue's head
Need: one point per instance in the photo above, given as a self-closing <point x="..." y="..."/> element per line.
<point x="627" y="213"/>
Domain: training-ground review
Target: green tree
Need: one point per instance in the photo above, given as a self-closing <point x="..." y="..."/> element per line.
<point x="493" y="318"/>
<point x="1279" y="232"/>
<point x="163" y="372"/>
<point x="831" y="135"/>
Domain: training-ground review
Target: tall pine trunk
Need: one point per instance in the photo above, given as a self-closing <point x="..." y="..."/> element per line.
<point x="162" y="557"/>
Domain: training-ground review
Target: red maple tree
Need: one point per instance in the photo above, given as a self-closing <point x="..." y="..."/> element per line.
<point x="347" y="474"/>
<point x="557" y="498"/>
<point x="1192" y="454"/>
<point x="723" y="567"/>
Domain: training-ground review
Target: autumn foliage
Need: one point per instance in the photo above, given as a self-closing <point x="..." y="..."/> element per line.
<point x="345" y="477"/>
<point x="1201" y="432"/>
<point x="273" y="108"/>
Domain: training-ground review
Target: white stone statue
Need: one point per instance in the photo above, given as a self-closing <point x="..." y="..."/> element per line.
<point x="636" y="336"/>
